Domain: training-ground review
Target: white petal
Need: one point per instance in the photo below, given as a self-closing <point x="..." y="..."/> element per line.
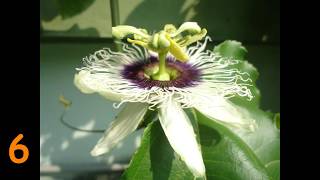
<point x="86" y="84"/>
<point x="181" y="136"/>
<point x="125" y="123"/>
<point x="80" y="82"/>
<point x="221" y="109"/>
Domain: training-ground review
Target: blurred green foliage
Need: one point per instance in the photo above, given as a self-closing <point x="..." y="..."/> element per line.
<point x="245" y="20"/>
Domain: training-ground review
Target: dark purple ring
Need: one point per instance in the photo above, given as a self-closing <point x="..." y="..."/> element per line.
<point x="188" y="75"/>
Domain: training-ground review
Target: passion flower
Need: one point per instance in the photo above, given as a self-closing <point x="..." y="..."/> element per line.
<point x="165" y="76"/>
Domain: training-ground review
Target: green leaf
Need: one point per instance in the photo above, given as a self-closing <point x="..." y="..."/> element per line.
<point x="265" y="141"/>
<point x="228" y="152"/>
<point x="148" y="117"/>
<point x="245" y="66"/>
<point x="276" y="120"/>
<point x="235" y="50"/>
<point x="155" y="159"/>
<point x="273" y="169"/>
<point x="226" y="155"/>
<point x="70" y="8"/>
<point x="231" y="49"/>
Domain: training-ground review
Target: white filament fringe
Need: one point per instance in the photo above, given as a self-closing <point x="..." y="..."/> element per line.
<point x="217" y="79"/>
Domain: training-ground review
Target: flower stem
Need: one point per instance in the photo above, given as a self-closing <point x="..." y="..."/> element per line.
<point x="162" y="74"/>
<point x="115" y="19"/>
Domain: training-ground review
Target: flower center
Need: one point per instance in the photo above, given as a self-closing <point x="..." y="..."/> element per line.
<point x="181" y="74"/>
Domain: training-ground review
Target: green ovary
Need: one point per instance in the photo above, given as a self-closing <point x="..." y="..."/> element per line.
<point x="154" y="73"/>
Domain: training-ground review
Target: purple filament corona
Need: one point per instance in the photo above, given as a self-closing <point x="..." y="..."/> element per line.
<point x="187" y="74"/>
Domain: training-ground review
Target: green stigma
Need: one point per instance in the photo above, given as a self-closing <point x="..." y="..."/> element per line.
<point x="170" y="39"/>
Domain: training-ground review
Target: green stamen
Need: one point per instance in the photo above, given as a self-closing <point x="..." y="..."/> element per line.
<point x="170" y="39"/>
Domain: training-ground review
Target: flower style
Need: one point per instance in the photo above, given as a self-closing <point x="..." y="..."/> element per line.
<point x="166" y="76"/>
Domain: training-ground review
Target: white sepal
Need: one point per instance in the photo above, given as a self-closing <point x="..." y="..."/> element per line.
<point x="181" y="136"/>
<point x="125" y="123"/>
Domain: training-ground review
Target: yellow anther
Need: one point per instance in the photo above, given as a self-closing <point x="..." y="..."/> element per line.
<point x="121" y="31"/>
<point x="141" y="43"/>
<point x="191" y="39"/>
<point x="170" y="28"/>
<point x="177" y="51"/>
